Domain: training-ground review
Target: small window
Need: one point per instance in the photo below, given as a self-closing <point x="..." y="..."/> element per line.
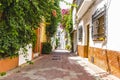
<point x="99" y="28"/>
<point x="80" y="33"/>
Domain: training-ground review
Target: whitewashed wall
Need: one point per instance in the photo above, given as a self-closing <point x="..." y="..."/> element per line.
<point x="87" y="20"/>
<point x="62" y="40"/>
<point x="113" y="15"/>
<point x="22" y="59"/>
<point x="114" y="25"/>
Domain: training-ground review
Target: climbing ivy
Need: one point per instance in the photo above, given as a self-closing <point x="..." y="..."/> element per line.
<point x="18" y="21"/>
<point x="54" y="20"/>
<point x="67" y="22"/>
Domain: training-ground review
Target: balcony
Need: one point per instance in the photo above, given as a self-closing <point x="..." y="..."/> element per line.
<point x="79" y="2"/>
<point x="83" y="6"/>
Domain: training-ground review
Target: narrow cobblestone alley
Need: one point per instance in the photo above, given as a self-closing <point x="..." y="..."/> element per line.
<point x="56" y="66"/>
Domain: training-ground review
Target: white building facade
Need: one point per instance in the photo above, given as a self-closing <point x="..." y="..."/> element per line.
<point x="97" y="33"/>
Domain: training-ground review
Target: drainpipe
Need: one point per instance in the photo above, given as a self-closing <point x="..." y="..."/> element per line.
<point x="106" y="24"/>
<point x="107" y="59"/>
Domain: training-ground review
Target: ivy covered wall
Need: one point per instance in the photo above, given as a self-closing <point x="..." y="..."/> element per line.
<point x="20" y="18"/>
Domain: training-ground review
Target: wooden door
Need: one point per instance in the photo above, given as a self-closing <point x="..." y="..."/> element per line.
<point x="87" y="47"/>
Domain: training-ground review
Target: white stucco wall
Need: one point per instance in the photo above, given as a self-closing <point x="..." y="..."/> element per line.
<point x="62" y="40"/>
<point x="73" y="17"/>
<point x="87" y="20"/>
<point x="98" y="44"/>
<point x="114" y="25"/>
<point x="112" y="41"/>
<point x="22" y="59"/>
<point x="74" y="28"/>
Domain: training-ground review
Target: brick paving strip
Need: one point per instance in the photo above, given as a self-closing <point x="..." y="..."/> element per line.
<point x="55" y="66"/>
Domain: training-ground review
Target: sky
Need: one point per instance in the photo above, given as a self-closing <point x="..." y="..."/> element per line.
<point x="64" y="6"/>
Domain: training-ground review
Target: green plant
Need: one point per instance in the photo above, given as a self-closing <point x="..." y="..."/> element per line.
<point x="46" y="48"/>
<point x="29" y="62"/>
<point x="68" y="47"/>
<point x="2" y="73"/>
<point x="54" y="19"/>
<point x="67" y="24"/>
<point x="57" y="42"/>
<point x="18" y="21"/>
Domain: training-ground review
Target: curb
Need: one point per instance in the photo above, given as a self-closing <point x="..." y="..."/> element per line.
<point x="17" y="69"/>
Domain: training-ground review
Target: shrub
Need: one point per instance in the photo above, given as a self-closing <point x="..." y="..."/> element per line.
<point x="2" y="73"/>
<point x="46" y="48"/>
<point x="68" y="47"/>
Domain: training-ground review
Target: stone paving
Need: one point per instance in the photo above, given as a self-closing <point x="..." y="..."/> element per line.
<point x="51" y="67"/>
<point x="56" y="66"/>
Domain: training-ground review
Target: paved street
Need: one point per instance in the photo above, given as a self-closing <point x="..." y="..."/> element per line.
<point x="56" y="66"/>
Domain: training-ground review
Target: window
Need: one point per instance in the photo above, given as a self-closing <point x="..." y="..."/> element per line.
<point x="80" y="33"/>
<point x="99" y="27"/>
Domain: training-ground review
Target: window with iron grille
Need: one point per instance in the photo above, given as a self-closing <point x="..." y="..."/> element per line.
<point x="99" y="27"/>
<point x="80" y="33"/>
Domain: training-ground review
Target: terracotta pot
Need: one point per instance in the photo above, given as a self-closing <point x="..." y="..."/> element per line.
<point x="8" y="63"/>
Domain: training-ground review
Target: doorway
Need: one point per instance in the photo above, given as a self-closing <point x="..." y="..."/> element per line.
<point x="75" y="41"/>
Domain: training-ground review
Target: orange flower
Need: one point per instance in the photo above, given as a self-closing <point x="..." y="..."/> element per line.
<point x="54" y="13"/>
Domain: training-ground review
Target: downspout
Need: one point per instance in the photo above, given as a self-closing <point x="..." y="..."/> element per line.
<point x="106" y="24"/>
